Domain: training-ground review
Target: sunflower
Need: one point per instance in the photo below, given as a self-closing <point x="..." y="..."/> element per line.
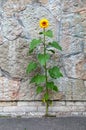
<point x="44" y="23"/>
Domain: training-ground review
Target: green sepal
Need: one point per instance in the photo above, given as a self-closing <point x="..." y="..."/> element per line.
<point x="40" y="33"/>
<point x="55" y="72"/>
<point x="55" y="45"/>
<point x="38" y="79"/>
<point x="34" y="43"/>
<point x="31" y="66"/>
<point x="43" y="58"/>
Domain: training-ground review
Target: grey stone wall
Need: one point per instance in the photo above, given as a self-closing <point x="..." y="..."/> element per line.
<point x="18" y="25"/>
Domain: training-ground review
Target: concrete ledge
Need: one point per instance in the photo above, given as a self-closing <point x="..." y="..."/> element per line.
<point x="31" y="109"/>
<point x="20" y="109"/>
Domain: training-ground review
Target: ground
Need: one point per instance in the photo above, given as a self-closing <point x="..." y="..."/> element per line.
<point x="61" y="123"/>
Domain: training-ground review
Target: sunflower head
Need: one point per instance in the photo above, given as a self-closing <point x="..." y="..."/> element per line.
<point x="44" y="23"/>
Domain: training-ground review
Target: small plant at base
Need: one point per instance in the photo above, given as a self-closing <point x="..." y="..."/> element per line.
<point x="43" y="81"/>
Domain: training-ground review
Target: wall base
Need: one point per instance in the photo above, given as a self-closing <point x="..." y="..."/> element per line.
<point x="37" y="109"/>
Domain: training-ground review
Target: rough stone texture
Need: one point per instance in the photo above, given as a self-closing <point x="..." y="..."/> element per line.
<point x="9" y="89"/>
<point x="75" y="66"/>
<point x="19" y="24"/>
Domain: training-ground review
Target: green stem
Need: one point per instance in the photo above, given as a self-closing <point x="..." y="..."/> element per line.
<point x="45" y="67"/>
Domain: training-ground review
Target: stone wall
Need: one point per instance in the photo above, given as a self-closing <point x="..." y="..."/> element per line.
<point x="18" y="25"/>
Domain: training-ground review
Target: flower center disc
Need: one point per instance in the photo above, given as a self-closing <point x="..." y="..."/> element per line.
<point x="44" y="23"/>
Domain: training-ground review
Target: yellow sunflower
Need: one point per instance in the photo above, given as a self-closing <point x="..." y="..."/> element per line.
<point x="44" y="23"/>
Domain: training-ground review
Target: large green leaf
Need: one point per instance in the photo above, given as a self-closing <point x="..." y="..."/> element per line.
<point x="51" y="86"/>
<point x="39" y="89"/>
<point x="48" y="33"/>
<point x="55" y="72"/>
<point x="34" y="43"/>
<point x="32" y="66"/>
<point x="43" y="58"/>
<point x="38" y="79"/>
<point x="56" y="45"/>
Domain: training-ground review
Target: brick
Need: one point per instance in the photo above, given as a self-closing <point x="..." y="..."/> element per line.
<point x="58" y="103"/>
<point x="3" y="104"/>
<point x="79" y="103"/>
<point x="19" y="109"/>
<point x="24" y="103"/>
<point x="70" y="103"/>
<point x="41" y="109"/>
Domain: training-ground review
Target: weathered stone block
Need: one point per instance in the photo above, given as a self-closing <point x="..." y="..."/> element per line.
<point x="16" y="109"/>
<point x="9" y="103"/>
<point x="72" y="89"/>
<point x="9" y="89"/>
<point x="75" y="66"/>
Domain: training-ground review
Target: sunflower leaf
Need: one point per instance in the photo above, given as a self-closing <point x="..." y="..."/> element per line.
<point x="34" y="43"/>
<point x="38" y="79"/>
<point x="43" y="58"/>
<point x="49" y="33"/>
<point x="51" y="86"/>
<point x="55" y="45"/>
<point x="39" y="89"/>
<point x="55" y="88"/>
<point x="55" y="72"/>
<point x="31" y="66"/>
